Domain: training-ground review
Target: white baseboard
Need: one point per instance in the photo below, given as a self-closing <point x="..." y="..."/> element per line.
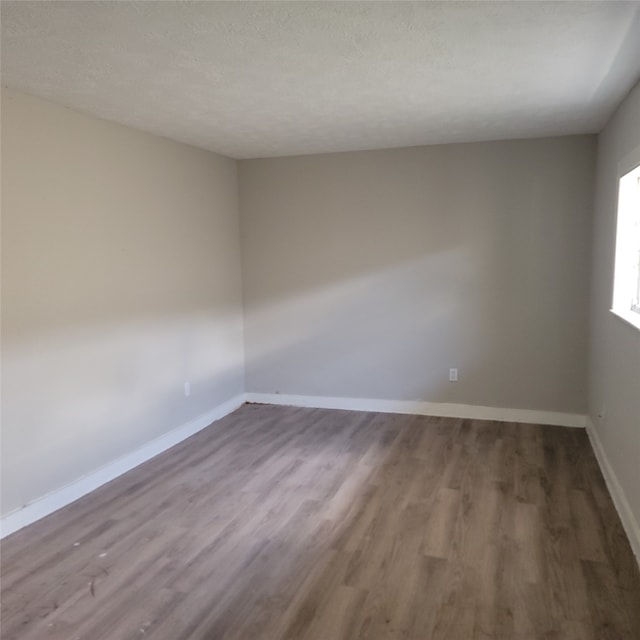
<point x="59" y="498"/>
<point x="629" y="522"/>
<point x="66" y="495"/>
<point x="441" y="409"/>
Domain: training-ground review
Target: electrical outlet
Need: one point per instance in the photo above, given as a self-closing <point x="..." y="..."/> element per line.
<point x="602" y="414"/>
<point x="453" y="375"/>
<point x="187" y="389"/>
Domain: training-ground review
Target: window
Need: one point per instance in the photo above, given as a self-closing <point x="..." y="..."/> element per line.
<point x="626" y="285"/>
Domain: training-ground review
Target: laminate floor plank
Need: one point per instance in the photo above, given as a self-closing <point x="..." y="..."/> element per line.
<point x="281" y="523"/>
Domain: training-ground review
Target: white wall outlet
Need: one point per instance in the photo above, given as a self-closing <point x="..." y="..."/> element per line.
<point x="453" y="375"/>
<point x="602" y="414"/>
<point x="187" y="389"/>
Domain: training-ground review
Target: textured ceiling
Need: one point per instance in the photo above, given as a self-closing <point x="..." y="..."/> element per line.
<point x="252" y="79"/>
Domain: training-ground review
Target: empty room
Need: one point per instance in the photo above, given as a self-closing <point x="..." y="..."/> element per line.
<point x="320" y="320"/>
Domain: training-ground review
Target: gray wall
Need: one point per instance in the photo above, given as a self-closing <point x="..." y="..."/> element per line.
<point x="120" y="281"/>
<point x="614" y="365"/>
<point x="369" y="274"/>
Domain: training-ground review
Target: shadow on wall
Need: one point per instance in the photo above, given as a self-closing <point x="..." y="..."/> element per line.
<point x="364" y="334"/>
<point x="371" y="274"/>
<point x="394" y="333"/>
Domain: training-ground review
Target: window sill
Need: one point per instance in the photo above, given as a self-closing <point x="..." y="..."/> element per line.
<point x="629" y="317"/>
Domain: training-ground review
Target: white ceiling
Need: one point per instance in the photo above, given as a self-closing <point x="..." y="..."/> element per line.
<point x="252" y="79"/>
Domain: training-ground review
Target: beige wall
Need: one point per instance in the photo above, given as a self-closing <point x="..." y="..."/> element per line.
<point x="120" y="281"/>
<point x="614" y="365"/>
<point x="370" y="274"/>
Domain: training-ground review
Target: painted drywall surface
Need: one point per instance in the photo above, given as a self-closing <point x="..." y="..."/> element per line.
<point x="370" y="274"/>
<point x="120" y="281"/>
<point x="614" y="362"/>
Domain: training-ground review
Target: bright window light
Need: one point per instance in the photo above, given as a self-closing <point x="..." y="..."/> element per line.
<point x="626" y="285"/>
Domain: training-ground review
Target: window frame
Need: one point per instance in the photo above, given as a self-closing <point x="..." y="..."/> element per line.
<point x="631" y="315"/>
<point x="635" y="304"/>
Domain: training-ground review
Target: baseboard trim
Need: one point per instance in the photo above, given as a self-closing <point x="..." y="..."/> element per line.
<point x="629" y="522"/>
<point x="59" y="498"/>
<point x="441" y="409"/>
